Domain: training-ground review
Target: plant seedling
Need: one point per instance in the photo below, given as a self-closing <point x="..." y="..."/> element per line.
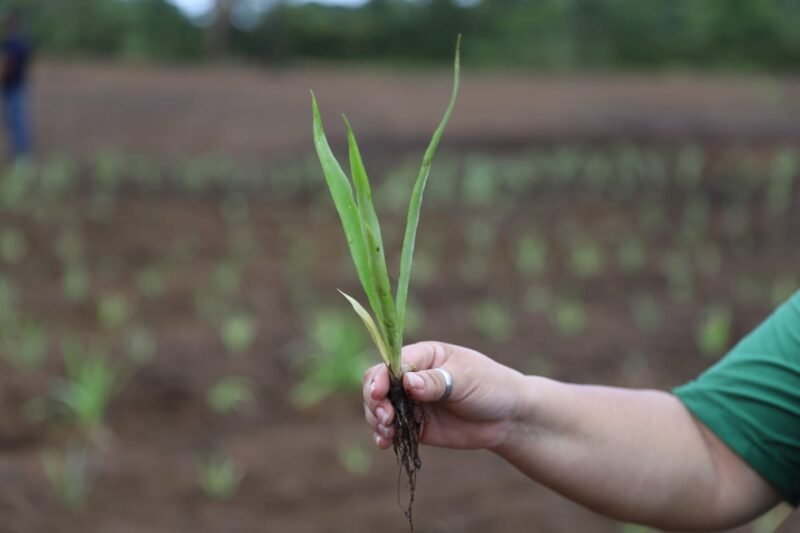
<point x="219" y="477"/>
<point x="362" y="230"/>
<point x="714" y="333"/>
<point x="113" y="310"/>
<point x="586" y="259"/>
<point x="238" y="332"/>
<point x="75" y="282"/>
<point x="569" y="317"/>
<point x="354" y="458"/>
<point x="230" y="394"/>
<point x="530" y="254"/>
<point x="86" y="391"/>
<point x="493" y="320"/>
<point x="337" y="354"/>
<point x="23" y="342"/>
<point x="69" y="475"/>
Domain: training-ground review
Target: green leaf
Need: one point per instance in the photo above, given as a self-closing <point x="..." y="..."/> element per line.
<point x="416" y="197"/>
<point x="342" y="195"/>
<point x="374" y="333"/>
<point x="386" y="314"/>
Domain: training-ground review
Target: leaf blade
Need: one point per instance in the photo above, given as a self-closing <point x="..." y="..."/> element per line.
<point x="342" y="194"/>
<point x="365" y="317"/>
<point x="414" y="206"/>
<point x="375" y="251"/>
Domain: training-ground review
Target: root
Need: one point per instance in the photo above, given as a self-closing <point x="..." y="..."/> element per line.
<point x="407" y="428"/>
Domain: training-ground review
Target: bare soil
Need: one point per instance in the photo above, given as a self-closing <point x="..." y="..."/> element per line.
<point x="160" y="424"/>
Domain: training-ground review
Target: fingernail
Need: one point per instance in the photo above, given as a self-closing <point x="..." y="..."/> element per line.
<point x="377" y="439"/>
<point x="383" y="416"/>
<point x="372" y="386"/>
<point x="415" y="381"/>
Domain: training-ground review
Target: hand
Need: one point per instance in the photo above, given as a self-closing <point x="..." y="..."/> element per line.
<point x="478" y="413"/>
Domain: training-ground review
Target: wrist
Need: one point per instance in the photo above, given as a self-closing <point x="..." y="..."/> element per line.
<point x="522" y="425"/>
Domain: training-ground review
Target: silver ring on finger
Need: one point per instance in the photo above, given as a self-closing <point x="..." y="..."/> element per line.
<point x="448" y="383"/>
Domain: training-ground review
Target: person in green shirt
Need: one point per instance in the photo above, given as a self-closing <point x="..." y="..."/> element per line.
<point x="713" y="454"/>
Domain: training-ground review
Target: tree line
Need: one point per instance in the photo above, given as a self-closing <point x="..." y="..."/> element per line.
<point x="541" y="34"/>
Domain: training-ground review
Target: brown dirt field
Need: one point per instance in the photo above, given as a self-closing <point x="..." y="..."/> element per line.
<point x="160" y="424"/>
<point x="263" y="114"/>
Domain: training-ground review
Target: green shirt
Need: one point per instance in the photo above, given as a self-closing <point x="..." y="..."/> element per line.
<point x="751" y="399"/>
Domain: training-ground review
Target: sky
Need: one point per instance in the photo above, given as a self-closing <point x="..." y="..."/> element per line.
<point x="199" y="7"/>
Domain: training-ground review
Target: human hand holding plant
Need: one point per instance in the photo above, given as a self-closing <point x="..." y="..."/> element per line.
<point x="479" y="413"/>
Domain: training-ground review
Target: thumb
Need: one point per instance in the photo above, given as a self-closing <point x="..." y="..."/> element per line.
<point x="425" y="385"/>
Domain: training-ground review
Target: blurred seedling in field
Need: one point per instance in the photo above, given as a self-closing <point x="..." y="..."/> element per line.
<point x="230" y="394"/>
<point x="715" y="331"/>
<point x="689" y="167"/>
<point x="493" y="320"/>
<point x="219" y="477"/>
<point x="530" y="254"/>
<point x="586" y="259"/>
<point x="354" y="458"/>
<point x="337" y="352"/>
<point x="140" y="345"/>
<point x="23" y="342"/>
<point x="56" y="176"/>
<point x="109" y="168"/>
<point x="75" y="282"/>
<point x="221" y="292"/>
<point x="227" y="277"/>
<point x="480" y="181"/>
<point x="569" y="317"/>
<point x="113" y="310"/>
<point x="783" y="171"/>
<point x="238" y="332"/>
<point x="70" y="475"/>
<point x="15" y="188"/>
<point x="597" y="171"/>
<point x="83" y="394"/>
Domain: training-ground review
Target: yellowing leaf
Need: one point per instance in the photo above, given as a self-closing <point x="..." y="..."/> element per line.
<point x="373" y="330"/>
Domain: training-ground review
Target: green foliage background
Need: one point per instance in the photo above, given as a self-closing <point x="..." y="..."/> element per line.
<point x="543" y="34"/>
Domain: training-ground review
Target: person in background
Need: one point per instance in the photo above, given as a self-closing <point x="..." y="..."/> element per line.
<point x="712" y="454"/>
<point x="15" y="63"/>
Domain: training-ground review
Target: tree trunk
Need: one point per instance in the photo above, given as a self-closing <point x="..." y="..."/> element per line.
<point x="219" y="30"/>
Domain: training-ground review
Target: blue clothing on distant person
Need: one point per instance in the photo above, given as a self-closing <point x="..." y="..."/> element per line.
<point x="16" y="59"/>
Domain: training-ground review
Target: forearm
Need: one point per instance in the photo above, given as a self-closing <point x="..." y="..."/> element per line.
<point x="635" y="455"/>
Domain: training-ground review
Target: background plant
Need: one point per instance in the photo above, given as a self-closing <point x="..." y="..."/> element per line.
<point x="219" y="477"/>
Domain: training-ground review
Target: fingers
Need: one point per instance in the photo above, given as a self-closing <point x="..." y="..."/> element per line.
<point x="382" y="442"/>
<point x="425" y="385"/>
<point x="378" y="411"/>
<point x="376" y="385"/>
<point x="425" y="355"/>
